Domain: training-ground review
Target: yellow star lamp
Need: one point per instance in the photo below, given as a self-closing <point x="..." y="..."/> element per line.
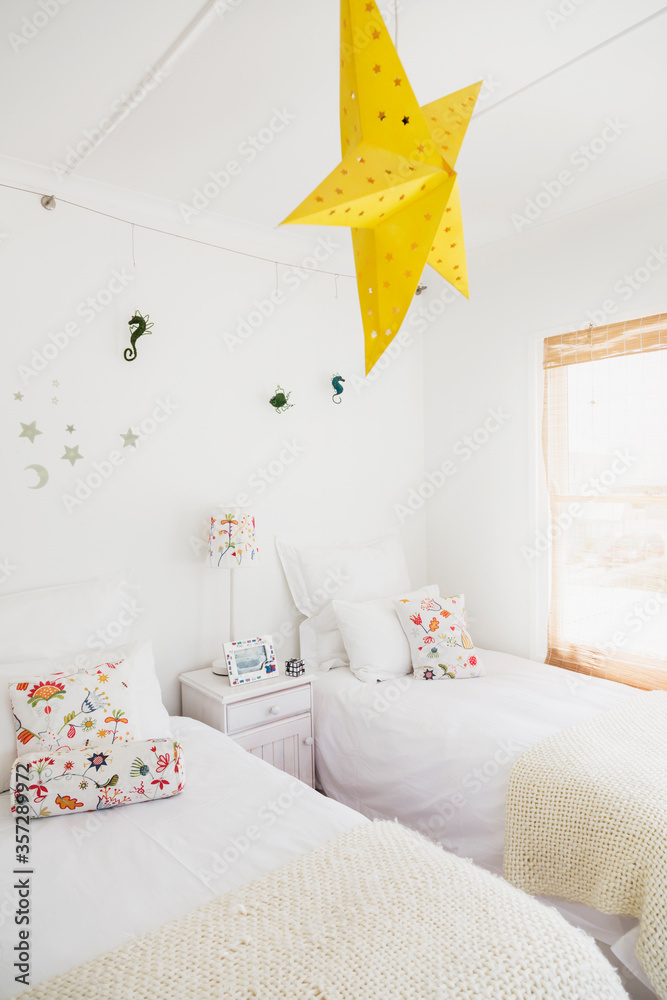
<point x="396" y="186"/>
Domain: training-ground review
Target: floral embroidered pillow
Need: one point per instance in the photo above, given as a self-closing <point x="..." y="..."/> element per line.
<point x="440" y="644"/>
<point x="60" y="711"/>
<point x="96" y="777"/>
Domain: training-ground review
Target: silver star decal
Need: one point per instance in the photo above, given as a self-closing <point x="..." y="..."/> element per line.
<point x="54" y="400"/>
<point x="56" y="383"/>
<point x="72" y="454"/>
<point x="70" y="428"/>
<point x="130" y="439"/>
<point x="30" y="431"/>
<point x="18" y="395"/>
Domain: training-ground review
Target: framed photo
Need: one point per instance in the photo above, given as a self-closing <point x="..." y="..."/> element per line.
<point x="250" y="660"/>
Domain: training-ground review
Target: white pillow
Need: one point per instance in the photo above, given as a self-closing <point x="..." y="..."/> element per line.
<point x="55" y="621"/>
<point x="376" y="644"/>
<point x="152" y="720"/>
<point x="317" y="574"/>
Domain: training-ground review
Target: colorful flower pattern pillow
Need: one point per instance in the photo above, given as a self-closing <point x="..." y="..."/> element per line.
<point x="66" y="711"/>
<point x="440" y="644"/>
<point x="96" y="777"/>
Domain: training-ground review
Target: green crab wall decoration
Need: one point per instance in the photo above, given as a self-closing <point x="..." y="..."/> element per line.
<point x="279" y="400"/>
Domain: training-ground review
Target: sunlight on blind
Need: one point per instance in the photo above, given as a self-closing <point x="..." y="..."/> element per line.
<point x="605" y="449"/>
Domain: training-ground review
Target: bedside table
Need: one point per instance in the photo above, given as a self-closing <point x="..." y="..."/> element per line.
<point x="272" y="718"/>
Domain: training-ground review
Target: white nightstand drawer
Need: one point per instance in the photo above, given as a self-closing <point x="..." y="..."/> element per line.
<point x="267" y="708"/>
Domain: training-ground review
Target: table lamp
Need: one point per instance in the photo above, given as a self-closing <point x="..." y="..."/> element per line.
<point x="231" y="545"/>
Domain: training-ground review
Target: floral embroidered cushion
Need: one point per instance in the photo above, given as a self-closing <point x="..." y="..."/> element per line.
<point x="60" y="711"/>
<point x="440" y="644"/>
<point x="96" y="777"/>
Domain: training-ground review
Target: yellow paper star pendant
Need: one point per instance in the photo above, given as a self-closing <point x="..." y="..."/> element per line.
<point x="396" y="186"/>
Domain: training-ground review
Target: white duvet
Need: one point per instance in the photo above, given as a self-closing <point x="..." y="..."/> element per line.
<point x="437" y="755"/>
<point x="101" y="879"/>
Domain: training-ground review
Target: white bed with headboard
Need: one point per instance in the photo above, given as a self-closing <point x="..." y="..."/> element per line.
<point x="436" y="756"/>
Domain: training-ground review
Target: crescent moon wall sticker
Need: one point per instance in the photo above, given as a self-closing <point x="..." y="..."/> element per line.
<point x="43" y="476"/>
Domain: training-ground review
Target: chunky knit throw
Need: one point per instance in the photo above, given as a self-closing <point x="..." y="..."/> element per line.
<point x="378" y="913"/>
<point x="587" y="820"/>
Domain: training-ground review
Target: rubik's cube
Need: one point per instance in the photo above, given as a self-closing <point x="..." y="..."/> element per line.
<point x="294" y="668"/>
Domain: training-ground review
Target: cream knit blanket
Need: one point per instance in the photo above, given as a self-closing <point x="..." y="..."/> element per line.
<point x="378" y="913"/>
<point x="587" y="820"/>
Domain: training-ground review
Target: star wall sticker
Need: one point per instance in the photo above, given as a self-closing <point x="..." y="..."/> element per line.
<point x="72" y="455"/>
<point x="18" y="396"/>
<point x="396" y="186"/>
<point x="130" y="439"/>
<point x="70" y="428"/>
<point x="30" y="431"/>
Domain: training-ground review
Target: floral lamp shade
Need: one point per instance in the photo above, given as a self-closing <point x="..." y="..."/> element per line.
<point x="232" y="541"/>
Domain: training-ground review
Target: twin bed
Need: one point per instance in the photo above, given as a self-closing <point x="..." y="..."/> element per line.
<point x="438" y="756"/>
<point x="247" y="873"/>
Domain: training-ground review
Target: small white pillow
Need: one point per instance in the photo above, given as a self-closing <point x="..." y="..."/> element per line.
<point x="374" y="639"/>
<point x="440" y="644"/>
<point x="317" y="574"/>
<point x="55" y="621"/>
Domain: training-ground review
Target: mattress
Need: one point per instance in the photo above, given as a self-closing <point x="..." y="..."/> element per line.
<point x="437" y="756"/>
<point x="100" y="879"/>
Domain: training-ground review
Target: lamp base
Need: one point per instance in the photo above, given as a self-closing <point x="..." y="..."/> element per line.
<point x="219" y="667"/>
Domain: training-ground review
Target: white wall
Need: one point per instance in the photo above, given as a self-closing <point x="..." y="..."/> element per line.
<point x="354" y="463"/>
<point x="486" y="354"/>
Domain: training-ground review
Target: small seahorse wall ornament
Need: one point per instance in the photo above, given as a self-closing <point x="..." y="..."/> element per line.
<point x="279" y="400"/>
<point x="139" y="326"/>
<point x="337" y="383"/>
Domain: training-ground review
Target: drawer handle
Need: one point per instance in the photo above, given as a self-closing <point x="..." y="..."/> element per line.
<point x="274" y="710"/>
<point x="309" y="741"/>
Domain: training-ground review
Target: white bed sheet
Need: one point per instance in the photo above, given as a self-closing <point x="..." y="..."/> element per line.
<point x="437" y="756"/>
<point x="102" y="878"/>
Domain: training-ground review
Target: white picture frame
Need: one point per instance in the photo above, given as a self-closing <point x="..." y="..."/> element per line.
<point x="251" y="660"/>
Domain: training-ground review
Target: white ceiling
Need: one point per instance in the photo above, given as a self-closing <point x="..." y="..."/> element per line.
<point x="550" y="89"/>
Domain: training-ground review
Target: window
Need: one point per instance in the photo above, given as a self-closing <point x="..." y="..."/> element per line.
<point x="605" y="450"/>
